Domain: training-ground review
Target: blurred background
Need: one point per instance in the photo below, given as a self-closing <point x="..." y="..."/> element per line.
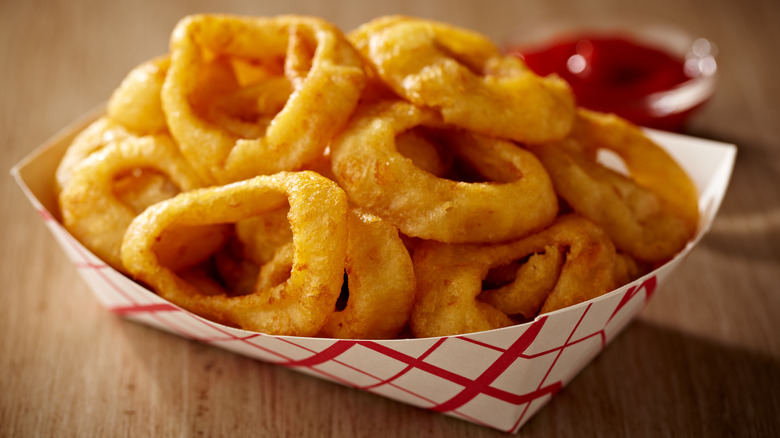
<point x="103" y="40"/>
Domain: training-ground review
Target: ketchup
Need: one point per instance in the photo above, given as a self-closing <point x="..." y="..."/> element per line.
<point x="612" y="74"/>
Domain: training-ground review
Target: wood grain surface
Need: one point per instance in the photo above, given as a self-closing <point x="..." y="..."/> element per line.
<point x="703" y="359"/>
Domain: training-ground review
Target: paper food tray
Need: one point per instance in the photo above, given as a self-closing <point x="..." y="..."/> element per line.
<point x="498" y="378"/>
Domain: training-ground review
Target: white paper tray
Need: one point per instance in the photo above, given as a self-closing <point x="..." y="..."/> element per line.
<point x="498" y="378"/>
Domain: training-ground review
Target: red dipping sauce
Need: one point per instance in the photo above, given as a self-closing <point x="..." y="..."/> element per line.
<point x="612" y="73"/>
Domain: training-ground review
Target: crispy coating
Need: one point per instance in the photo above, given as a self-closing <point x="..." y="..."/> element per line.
<point x="112" y="185"/>
<point x="250" y="96"/>
<point x="380" y="282"/>
<point x="262" y="235"/>
<point x="94" y="137"/>
<point x="298" y="306"/>
<point x="121" y="164"/>
<point x="271" y="174"/>
<point x="650" y="214"/>
<point x="519" y="200"/>
<point x="136" y="104"/>
<point x="526" y="289"/>
<point x="463" y="76"/>
<point x="450" y="276"/>
<point x="134" y="110"/>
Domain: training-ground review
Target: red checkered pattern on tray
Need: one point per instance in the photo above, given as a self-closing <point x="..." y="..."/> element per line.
<point x="490" y="378"/>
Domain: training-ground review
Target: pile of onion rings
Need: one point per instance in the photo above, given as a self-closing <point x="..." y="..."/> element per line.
<point x="406" y="179"/>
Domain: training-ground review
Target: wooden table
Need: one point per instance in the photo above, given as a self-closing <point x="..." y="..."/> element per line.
<point x="703" y="359"/>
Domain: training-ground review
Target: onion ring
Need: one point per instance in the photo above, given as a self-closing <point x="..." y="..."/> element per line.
<point x="133" y="109"/>
<point x="301" y="304"/>
<point x="465" y="77"/>
<point x="378" y="178"/>
<point x="98" y="215"/>
<point x="449" y="276"/>
<point x="380" y="282"/>
<point x="650" y="215"/>
<point x="379" y="278"/>
<point x="323" y="72"/>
